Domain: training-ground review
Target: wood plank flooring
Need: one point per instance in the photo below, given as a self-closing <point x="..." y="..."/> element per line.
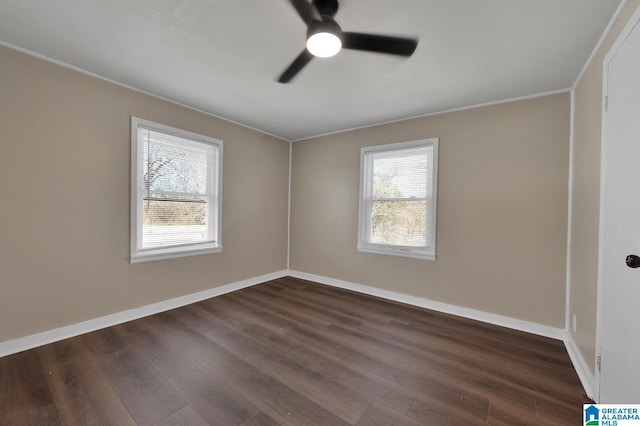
<point x="291" y="352"/>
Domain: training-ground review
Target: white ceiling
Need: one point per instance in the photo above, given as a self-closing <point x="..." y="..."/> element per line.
<point x="223" y="56"/>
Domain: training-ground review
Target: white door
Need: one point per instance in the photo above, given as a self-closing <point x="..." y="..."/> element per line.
<point x="619" y="284"/>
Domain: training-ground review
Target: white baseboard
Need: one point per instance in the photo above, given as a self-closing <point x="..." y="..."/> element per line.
<point x="579" y="364"/>
<point x="513" y="323"/>
<point x="584" y="373"/>
<point x="28" y="342"/>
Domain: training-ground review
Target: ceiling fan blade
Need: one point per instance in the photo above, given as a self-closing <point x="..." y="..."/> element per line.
<point x="295" y="67"/>
<point x="380" y="44"/>
<point x="306" y="10"/>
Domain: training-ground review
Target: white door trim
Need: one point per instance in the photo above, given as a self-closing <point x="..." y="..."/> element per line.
<point x="635" y="19"/>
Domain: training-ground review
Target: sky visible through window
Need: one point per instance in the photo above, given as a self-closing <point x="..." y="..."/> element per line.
<point x="175" y="190"/>
<point x="400" y="176"/>
<point x="400" y="190"/>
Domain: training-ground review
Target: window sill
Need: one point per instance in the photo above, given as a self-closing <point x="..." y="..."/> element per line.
<point x="151" y="256"/>
<point x="394" y="251"/>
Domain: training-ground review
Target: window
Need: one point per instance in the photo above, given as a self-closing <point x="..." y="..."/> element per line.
<point x="176" y="181"/>
<point x="398" y="186"/>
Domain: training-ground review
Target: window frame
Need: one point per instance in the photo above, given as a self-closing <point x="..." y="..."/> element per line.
<point x="139" y="254"/>
<point x="427" y="252"/>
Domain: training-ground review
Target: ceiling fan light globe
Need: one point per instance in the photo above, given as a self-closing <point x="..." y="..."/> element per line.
<point x="324" y="44"/>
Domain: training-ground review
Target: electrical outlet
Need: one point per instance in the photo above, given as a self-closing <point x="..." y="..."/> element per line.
<point x="575" y="320"/>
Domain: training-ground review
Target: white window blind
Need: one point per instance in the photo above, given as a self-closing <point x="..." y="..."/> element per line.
<point x="177" y="197"/>
<point x="397" y="206"/>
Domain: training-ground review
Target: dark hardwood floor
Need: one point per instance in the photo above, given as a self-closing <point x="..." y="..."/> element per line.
<point x="298" y="353"/>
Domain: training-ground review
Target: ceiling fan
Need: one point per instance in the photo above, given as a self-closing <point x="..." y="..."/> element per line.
<point x="325" y="38"/>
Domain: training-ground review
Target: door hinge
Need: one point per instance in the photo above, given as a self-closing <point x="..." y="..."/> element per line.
<point x="606" y="104"/>
<point x="599" y="362"/>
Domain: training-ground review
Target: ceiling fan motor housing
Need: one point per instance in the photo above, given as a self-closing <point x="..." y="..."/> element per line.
<point x="327" y="25"/>
<point x="326" y="7"/>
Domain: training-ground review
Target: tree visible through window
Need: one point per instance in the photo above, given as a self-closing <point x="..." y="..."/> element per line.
<point x="177" y="192"/>
<point x="175" y="199"/>
<point x="397" y="206"/>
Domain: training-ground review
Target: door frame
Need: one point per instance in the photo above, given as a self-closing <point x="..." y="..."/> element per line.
<point x="622" y="37"/>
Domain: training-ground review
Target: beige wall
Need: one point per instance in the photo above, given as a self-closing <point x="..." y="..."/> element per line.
<point x="502" y="209"/>
<point x="64" y="216"/>
<point x="64" y="220"/>
<point x="586" y="194"/>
